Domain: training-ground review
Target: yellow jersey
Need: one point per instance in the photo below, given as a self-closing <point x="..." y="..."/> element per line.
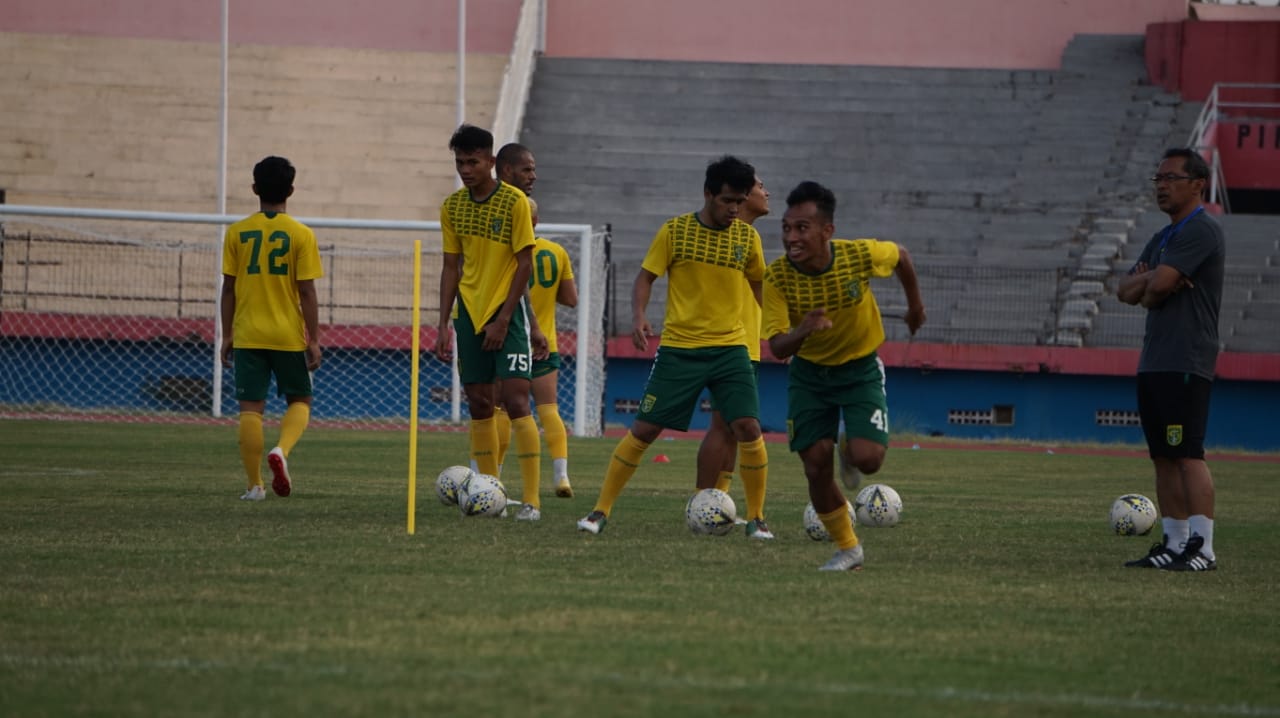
<point x="550" y="267"/>
<point x="269" y="253"/>
<point x="843" y="289"/>
<point x="487" y="233"/>
<point x="705" y="269"/>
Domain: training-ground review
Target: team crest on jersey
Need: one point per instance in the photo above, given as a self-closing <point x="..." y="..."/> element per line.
<point x="496" y="225"/>
<point x="1173" y="434"/>
<point x="646" y="404"/>
<point x="739" y="253"/>
<point x="854" y="289"/>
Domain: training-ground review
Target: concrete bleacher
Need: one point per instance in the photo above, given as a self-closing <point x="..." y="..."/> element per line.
<point x="966" y="168"/>
<point x="133" y="123"/>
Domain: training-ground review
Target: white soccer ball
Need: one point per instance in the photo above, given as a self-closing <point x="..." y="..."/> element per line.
<point x="877" y="505"/>
<point x="710" y="511"/>
<point x="813" y="526"/>
<point x="447" y="484"/>
<point x="1133" y="515"/>
<point x="482" y="495"/>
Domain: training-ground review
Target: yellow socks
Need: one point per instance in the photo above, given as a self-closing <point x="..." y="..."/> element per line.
<point x="553" y="430"/>
<point x="293" y="424"/>
<point x="502" y="423"/>
<point x="753" y="465"/>
<point x="251" y="446"/>
<point x="625" y="461"/>
<point x="724" y="481"/>
<point x="484" y="445"/>
<point x="840" y="525"/>
<point x="529" y="452"/>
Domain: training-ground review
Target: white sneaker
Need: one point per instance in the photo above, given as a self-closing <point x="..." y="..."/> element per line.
<point x="281" y="483"/>
<point x="256" y="493"/>
<point x="846" y="560"/>
<point x="528" y="512"/>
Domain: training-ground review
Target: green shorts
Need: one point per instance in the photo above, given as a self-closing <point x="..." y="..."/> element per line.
<point x="817" y="395"/>
<point x="477" y="366"/>
<point x="254" y="368"/>
<point x="678" y="377"/>
<point x="543" y="367"/>
<point x="755" y="374"/>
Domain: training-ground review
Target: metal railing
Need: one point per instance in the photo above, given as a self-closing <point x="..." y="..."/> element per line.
<point x="1203" y="137"/>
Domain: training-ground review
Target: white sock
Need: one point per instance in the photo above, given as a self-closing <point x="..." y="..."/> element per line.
<point x="475" y="468"/>
<point x="1176" y="532"/>
<point x="1203" y="525"/>
<point x="561" y="468"/>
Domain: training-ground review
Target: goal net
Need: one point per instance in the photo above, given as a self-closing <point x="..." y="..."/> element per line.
<point x="111" y="314"/>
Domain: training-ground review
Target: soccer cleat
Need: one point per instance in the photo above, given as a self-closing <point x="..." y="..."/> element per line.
<point x="280" y="470"/>
<point x="255" y="493"/>
<point x="1191" y="559"/>
<point x="593" y="522"/>
<point x="563" y="489"/>
<point x="846" y="560"/>
<point x="1159" y="556"/>
<point x="758" y="529"/>
<point x="528" y="512"/>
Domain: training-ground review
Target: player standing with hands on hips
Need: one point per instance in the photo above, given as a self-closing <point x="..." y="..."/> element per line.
<point x="270" y="321"/>
<point x="1178" y="278"/>
<point x="819" y="310"/>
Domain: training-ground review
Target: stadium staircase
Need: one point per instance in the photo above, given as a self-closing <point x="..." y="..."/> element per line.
<point x="1019" y="193"/>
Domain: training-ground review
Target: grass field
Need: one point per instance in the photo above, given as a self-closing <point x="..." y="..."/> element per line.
<point x="134" y="583"/>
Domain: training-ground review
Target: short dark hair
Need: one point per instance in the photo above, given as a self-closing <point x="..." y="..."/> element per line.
<point x="510" y="154"/>
<point x="731" y="171"/>
<point x="273" y="179"/>
<point x="1193" y="163"/>
<point x="469" y="138"/>
<point x="809" y="191"/>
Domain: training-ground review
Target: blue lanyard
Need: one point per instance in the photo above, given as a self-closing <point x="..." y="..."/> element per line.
<point x="1173" y="229"/>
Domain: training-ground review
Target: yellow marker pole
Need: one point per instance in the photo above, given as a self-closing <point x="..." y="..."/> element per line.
<point x="413" y="382"/>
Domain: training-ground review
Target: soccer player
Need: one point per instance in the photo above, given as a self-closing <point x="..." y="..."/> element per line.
<point x="718" y="451"/>
<point x="270" y="321"/>
<point x="488" y="247"/>
<point x="515" y="165"/>
<point x="819" y="310"/>
<point x="705" y="255"/>
<point x="550" y="284"/>
<point x="1178" y="278"/>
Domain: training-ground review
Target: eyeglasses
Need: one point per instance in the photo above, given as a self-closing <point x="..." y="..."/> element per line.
<point x="1157" y="179"/>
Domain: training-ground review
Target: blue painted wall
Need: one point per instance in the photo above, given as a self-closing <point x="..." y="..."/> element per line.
<point x="1046" y="407"/>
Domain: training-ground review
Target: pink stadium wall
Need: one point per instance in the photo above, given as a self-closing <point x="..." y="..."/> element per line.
<point x="408" y="25"/>
<point x="912" y="33"/>
<point x="920" y="33"/>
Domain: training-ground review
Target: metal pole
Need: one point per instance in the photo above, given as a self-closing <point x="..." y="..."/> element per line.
<point x="222" y="209"/>
<point x="455" y="388"/>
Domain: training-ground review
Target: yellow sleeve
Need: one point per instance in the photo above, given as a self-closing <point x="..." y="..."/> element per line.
<point x="450" y="243"/>
<point x="521" y="224"/>
<point x="884" y="257"/>
<point x="658" y="258"/>
<point x="230" y="265"/>
<point x="776" y="316"/>
<point x="309" y="266"/>
<point x="755" y="263"/>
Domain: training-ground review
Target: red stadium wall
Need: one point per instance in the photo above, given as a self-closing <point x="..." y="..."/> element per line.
<point x="1190" y="57"/>
<point x="904" y="33"/>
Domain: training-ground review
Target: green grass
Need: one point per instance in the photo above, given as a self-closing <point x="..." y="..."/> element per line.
<point x="134" y="583"/>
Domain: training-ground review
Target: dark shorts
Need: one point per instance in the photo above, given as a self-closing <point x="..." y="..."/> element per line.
<point x="817" y="395"/>
<point x="477" y="366"/>
<point x="1174" y="408"/>
<point x="755" y="373"/>
<point x="543" y="367"/>
<point x="679" y="375"/>
<point x="255" y="367"/>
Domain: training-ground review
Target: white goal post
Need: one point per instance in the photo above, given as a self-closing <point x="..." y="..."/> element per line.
<point x="111" y="314"/>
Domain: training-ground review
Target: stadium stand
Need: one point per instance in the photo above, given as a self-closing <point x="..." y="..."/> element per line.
<point x="1021" y="194"/>
<point x="133" y="123"/>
